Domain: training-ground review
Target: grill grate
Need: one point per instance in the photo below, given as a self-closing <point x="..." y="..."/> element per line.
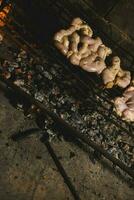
<point x="86" y="86"/>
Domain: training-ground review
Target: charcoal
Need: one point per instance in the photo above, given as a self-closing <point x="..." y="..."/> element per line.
<point x="22" y="54"/>
<point x="55" y="86"/>
<point x="39" y="77"/>
<point x="19" y="82"/>
<point x="20" y="106"/>
<point x="11" y="69"/>
<point x="39" y="68"/>
<point x="39" y="96"/>
<point x="54" y="72"/>
<point x="47" y="75"/>
<point x="14" y="65"/>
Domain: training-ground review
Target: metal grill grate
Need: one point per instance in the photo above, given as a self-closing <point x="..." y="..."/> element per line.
<point x="85" y="85"/>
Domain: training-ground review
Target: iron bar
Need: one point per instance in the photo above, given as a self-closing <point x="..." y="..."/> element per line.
<point x="60" y="168"/>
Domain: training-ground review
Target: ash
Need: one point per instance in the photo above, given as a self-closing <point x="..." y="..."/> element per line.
<point x="52" y="84"/>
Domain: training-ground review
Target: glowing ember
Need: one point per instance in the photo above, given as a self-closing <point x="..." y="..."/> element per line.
<point x="4" y="13"/>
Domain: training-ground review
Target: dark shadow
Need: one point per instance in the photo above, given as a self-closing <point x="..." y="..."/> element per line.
<point x="38" y="18"/>
<point x="104" y="7"/>
<point x="24" y="134"/>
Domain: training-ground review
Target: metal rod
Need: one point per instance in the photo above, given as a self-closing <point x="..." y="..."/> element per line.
<point x="61" y="169"/>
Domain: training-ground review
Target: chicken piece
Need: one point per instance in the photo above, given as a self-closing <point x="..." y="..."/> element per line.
<point x="73" y="46"/>
<point x="88" y="60"/>
<point x="109" y="74"/>
<point x="77" y="22"/>
<point x="128" y="115"/>
<point x="84" y="45"/>
<point x="97" y="66"/>
<point x="76" y="25"/>
<point x="68" y="42"/>
<point x="86" y="30"/>
<point x="120" y="105"/>
<point x="62" y="33"/>
<point x="75" y="39"/>
<point x="88" y="45"/>
<point x="123" y="78"/>
<point x="115" y="75"/>
<point x="103" y="51"/>
<point x="59" y="35"/>
<point x="86" y="54"/>
<point x="77" y="54"/>
<point x="93" y="63"/>
<point x="63" y="46"/>
<point x="93" y="44"/>
<point x="129" y="93"/>
<point x="80" y="24"/>
<point x="124" y="106"/>
<point x="61" y="38"/>
<point x="75" y="58"/>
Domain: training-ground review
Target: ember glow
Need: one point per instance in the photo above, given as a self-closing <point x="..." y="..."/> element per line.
<point x="4" y="13"/>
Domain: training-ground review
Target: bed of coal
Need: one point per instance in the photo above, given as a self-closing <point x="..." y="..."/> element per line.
<point x="50" y="81"/>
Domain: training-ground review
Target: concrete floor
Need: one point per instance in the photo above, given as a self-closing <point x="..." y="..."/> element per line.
<point x="27" y="172"/>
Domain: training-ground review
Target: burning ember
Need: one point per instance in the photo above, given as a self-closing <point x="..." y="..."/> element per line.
<point x="4" y="13"/>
